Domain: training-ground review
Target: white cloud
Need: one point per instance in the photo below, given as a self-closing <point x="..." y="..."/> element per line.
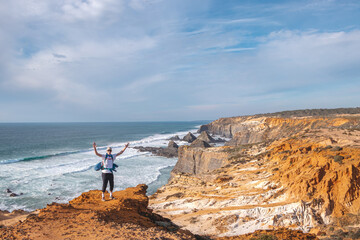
<point x="282" y="68"/>
<point x="88" y="9"/>
<point x="171" y="54"/>
<point x="140" y="84"/>
<point x="205" y="107"/>
<point x="55" y="69"/>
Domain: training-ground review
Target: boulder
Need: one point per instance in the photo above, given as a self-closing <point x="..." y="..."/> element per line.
<point x="200" y="143"/>
<point x="206" y="137"/>
<point x="189" y="138"/>
<point x="175" y="138"/>
<point x="172" y="144"/>
<point x="170" y="152"/>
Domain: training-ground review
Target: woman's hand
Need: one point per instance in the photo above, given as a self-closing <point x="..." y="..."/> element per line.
<point x="94" y="145"/>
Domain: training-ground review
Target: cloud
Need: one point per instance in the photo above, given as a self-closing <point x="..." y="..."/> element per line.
<point x="89" y="9"/>
<point x="57" y="69"/>
<point x="201" y="59"/>
<point x="283" y="68"/>
<point x="141" y="84"/>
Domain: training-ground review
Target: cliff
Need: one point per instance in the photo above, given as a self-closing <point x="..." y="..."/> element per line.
<point x="299" y="173"/>
<point x="196" y="161"/>
<point x="254" y="129"/>
<point x="86" y="217"/>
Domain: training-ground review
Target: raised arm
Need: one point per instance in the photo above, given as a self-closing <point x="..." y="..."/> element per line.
<point x="126" y="145"/>
<point x="96" y="152"/>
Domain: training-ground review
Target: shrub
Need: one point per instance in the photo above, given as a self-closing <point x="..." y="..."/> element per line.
<point x="267" y="237"/>
<point x="336" y="149"/>
<point x="355" y="234"/>
<point x="338" y="159"/>
<point x="264" y="237"/>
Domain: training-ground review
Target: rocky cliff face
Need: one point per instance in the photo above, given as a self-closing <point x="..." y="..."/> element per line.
<point x="253" y="129"/>
<point x="196" y="161"/>
<point x="299" y="173"/>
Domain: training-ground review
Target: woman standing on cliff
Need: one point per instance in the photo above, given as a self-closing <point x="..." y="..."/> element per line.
<point x="107" y="166"/>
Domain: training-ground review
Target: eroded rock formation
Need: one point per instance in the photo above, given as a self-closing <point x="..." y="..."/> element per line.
<point x="301" y="173"/>
<point x="171" y="151"/>
<point x="87" y="217"/>
<point x="189" y="137"/>
<point x="254" y="129"/>
<point x="206" y="137"/>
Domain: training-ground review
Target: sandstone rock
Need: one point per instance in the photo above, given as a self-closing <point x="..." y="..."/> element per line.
<point x="290" y="179"/>
<point x="255" y="129"/>
<point x="206" y="137"/>
<point x="197" y="161"/>
<point x="189" y="137"/>
<point x="87" y="217"/>
<point x="200" y="143"/>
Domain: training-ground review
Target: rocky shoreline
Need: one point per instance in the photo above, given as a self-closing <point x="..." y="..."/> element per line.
<point x="300" y="173"/>
<point x="171" y="151"/>
<point x="278" y="177"/>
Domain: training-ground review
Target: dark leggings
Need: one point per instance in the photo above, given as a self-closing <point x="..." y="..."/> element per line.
<point x="107" y="177"/>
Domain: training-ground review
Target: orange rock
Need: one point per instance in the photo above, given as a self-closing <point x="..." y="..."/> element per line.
<point x="87" y="217"/>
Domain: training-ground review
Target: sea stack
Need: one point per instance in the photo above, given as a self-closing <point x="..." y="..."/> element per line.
<point x="206" y="137"/>
<point x="189" y="137"/>
<point x="200" y="143"/>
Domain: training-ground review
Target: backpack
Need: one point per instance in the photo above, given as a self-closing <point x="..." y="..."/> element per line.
<point x="100" y="166"/>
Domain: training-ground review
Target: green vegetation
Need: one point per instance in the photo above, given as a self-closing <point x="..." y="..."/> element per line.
<point x="265" y="237"/>
<point x="335" y="149"/>
<point x="338" y="159"/>
<point x="313" y="112"/>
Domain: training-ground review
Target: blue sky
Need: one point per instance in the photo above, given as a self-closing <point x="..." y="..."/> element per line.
<point x="143" y="60"/>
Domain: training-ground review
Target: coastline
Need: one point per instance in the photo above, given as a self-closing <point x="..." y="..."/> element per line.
<point x="50" y="178"/>
<point x="291" y="183"/>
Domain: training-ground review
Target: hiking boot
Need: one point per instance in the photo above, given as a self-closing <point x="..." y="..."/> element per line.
<point x="103" y="199"/>
<point x="112" y="197"/>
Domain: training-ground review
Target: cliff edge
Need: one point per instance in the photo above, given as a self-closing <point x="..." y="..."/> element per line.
<point x="301" y="173"/>
<point x="87" y="217"/>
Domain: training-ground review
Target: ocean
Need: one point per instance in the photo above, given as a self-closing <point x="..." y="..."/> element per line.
<point x="53" y="162"/>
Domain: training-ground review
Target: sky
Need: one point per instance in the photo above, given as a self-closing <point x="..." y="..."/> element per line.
<point x="175" y="60"/>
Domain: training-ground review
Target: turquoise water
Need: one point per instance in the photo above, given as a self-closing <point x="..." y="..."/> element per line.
<point x="49" y="162"/>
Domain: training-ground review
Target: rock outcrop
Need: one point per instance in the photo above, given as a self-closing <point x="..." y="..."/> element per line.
<point x="172" y="145"/>
<point x="295" y="173"/>
<point x="87" y="217"/>
<point x="171" y="151"/>
<point x="254" y="129"/>
<point x="196" y="161"/>
<point x="200" y="143"/>
<point x="189" y="138"/>
<point x="206" y="137"/>
<point x="175" y="138"/>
